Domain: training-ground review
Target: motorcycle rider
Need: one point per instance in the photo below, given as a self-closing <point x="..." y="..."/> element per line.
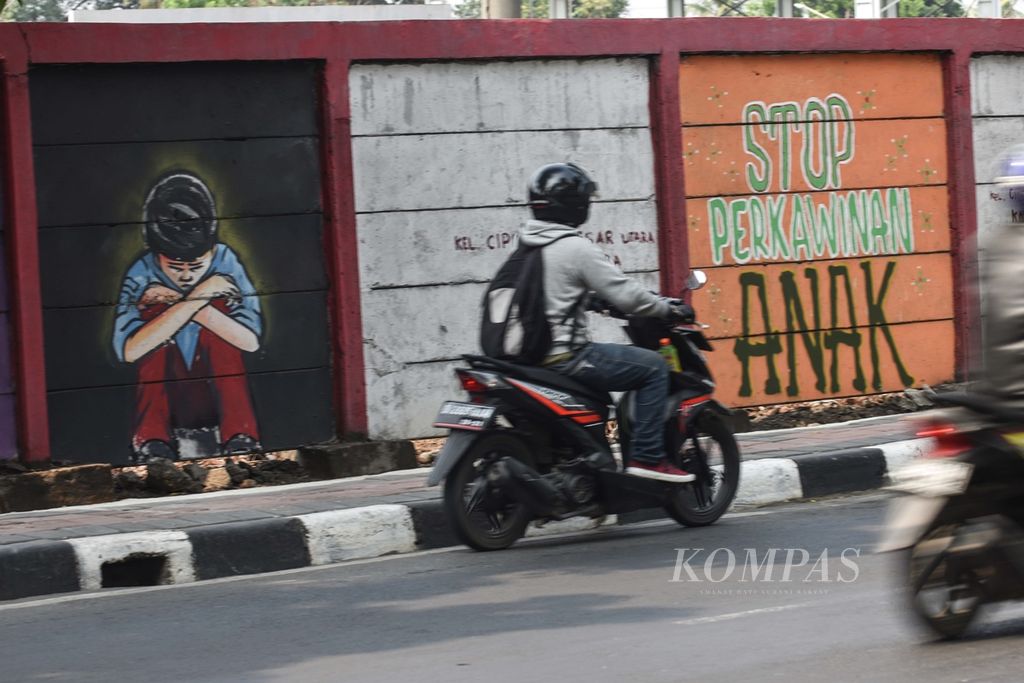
<point x="559" y="198"/>
<point x="1004" y="260"/>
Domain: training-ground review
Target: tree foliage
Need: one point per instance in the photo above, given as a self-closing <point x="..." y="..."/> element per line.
<point x="57" y="10"/>
<point x="834" y="9"/>
<point x="930" y="8"/>
<point x="538" y="9"/>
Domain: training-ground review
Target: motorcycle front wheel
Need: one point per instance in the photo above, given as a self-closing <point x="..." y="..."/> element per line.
<point x="710" y="453"/>
<point x="944" y="600"/>
<point x="483" y="516"/>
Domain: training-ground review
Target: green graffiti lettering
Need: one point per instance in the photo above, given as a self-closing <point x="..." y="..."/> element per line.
<point x="740" y="250"/>
<point x="881" y="238"/>
<point x="759" y="176"/>
<point x="859" y="222"/>
<point x="877" y="321"/>
<point x="900" y="221"/>
<point x="785" y="119"/>
<point x="806" y="329"/>
<point x="816" y="144"/>
<point x="840" y="115"/>
<point x="745" y="349"/>
<point x="826" y="232"/>
<point x="841" y="226"/>
<point x="796" y="323"/>
<point x="718" y="224"/>
<point x="780" y="243"/>
<point x="758" y="229"/>
<point x="798" y="230"/>
<point x="837" y="337"/>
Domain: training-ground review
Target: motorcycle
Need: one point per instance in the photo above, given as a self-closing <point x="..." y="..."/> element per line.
<point x="959" y="520"/>
<point x="532" y="444"/>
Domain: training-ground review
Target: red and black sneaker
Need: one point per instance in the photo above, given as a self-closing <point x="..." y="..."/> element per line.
<point x="662" y="471"/>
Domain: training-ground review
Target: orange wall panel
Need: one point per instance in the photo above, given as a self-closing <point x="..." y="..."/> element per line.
<point x="817" y="202"/>
<point x="714" y="89"/>
<point x="904" y="355"/>
<point x="741" y="227"/>
<point x="736" y="159"/>
<point x="797" y="297"/>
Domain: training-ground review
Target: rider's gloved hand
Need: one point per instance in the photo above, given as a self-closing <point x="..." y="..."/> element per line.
<point x="681" y="312"/>
<point x="597" y="305"/>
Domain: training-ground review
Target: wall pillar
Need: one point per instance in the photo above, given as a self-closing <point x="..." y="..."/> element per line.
<point x="30" y="370"/>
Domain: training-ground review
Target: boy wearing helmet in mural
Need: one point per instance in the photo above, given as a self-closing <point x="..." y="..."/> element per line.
<point x="559" y="197"/>
<point x="186" y="311"/>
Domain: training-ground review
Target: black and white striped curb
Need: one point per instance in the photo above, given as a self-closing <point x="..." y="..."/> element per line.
<point x="235" y="548"/>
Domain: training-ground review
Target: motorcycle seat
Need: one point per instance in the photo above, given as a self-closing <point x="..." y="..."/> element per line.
<point x="539" y="375"/>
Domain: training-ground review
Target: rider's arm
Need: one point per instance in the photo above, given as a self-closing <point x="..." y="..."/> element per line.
<point x="610" y="283"/>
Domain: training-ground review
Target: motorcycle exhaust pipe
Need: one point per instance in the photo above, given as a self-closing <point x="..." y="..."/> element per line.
<point x="526" y="486"/>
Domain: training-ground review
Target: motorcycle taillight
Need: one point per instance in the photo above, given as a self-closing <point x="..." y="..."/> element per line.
<point x="476" y="382"/>
<point x="472" y="384"/>
<point x="949" y="441"/>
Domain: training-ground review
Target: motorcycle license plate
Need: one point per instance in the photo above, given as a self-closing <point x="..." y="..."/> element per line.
<point x="934" y="478"/>
<point x="471" y="416"/>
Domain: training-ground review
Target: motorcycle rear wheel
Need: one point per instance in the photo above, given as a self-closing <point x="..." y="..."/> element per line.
<point x="946" y="604"/>
<point x="716" y="462"/>
<point x="481" y="516"/>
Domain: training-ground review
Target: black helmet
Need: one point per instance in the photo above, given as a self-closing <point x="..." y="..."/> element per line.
<point x="1010" y="181"/>
<point x="179" y="217"/>
<point x="560" y="193"/>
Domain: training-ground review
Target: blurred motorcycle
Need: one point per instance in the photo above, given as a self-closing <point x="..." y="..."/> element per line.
<point x="959" y="520"/>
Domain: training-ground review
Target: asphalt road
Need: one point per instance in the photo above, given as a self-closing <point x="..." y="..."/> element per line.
<point x="616" y="606"/>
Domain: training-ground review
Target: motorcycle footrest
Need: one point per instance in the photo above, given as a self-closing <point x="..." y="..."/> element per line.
<point x="648" y="488"/>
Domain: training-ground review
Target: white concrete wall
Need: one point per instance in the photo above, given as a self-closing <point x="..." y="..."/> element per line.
<point x="997" y="106"/>
<point x="442" y="153"/>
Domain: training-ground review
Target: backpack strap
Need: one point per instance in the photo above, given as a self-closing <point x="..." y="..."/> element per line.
<point x="579" y="302"/>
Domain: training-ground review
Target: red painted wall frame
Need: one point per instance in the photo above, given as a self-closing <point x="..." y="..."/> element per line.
<point x="338" y="45"/>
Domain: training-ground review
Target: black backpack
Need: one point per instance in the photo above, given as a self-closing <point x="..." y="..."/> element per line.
<point x="515" y="325"/>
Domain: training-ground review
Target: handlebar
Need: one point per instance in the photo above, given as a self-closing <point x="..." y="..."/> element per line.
<point x="599" y="305"/>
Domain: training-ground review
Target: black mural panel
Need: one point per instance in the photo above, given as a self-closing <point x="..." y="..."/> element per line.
<point x="181" y="251"/>
<point x="5" y="299"/>
<point x="89" y="425"/>
<point x="6" y="365"/>
<point x="264" y="244"/>
<point x="90" y="184"/>
<point x="93" y="425"/>
<point x="302" y="403"/>
<point x="188" y="101"/>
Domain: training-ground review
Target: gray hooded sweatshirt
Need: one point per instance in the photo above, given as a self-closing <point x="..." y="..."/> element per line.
<point x="573" y="267"/>
<point x="1004" y="319"/>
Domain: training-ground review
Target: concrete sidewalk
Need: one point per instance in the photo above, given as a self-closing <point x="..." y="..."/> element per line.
<point x="194" y="537"/>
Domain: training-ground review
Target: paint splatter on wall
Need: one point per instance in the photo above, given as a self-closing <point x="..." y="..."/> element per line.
<point x="816" y="201"/>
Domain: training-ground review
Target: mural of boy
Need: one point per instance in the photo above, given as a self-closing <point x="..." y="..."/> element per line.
<point x="186" y="312"/>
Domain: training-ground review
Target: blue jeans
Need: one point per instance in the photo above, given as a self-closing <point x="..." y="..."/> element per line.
<point x="620" y="367"/>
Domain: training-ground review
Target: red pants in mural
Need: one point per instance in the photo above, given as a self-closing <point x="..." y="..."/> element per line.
<point x="214" y="392"/>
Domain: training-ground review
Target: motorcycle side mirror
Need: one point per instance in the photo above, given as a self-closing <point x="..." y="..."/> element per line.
<point x="697" y="279"/>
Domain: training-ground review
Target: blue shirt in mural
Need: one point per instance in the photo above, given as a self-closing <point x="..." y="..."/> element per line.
<point x="146" y="271"/>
